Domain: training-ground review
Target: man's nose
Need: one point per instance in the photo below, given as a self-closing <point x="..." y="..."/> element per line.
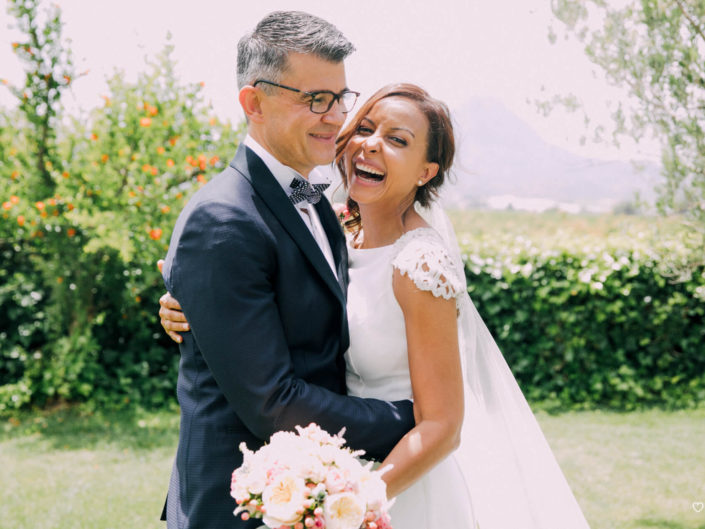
<point x="335" y="115"/>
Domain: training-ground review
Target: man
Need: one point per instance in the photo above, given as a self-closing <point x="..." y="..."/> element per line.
<point x="258" y="262"/>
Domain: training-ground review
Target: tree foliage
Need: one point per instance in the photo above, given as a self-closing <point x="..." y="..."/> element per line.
<point x="656" y="50"/>
<point x="87" y="208"/>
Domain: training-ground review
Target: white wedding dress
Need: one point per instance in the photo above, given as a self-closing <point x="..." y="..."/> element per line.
<point x="378" y="366"/>
<point x="504" y="475"/>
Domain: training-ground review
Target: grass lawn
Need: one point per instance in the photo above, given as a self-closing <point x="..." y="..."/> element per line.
<point x="73" y="470"/>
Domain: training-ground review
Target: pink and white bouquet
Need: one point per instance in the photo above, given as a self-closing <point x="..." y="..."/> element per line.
<point x="307" y="479"/>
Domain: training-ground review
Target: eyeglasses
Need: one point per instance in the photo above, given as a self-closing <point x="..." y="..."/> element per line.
<point x="321" y="101"/>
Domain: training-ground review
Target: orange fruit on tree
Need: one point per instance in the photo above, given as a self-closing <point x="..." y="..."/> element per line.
<point x="155" y="233"/>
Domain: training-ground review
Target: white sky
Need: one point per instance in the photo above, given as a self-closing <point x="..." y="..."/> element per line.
<point x="455" y="49"/>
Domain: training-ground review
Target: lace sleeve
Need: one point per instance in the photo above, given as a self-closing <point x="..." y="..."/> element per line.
<point x="423" y="257"/>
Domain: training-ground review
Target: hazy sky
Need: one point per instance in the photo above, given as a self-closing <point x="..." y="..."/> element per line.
<point x="455" y="49"/>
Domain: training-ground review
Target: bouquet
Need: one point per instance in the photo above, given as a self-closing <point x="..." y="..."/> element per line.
<point x="307" y="479"/>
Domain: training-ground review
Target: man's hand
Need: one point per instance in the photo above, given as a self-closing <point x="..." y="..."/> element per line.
<point x="172" y="318"/>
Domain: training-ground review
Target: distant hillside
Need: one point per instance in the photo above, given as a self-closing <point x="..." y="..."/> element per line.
<point x="503" y="161"/>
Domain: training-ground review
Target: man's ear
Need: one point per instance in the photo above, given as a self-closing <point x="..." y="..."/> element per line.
<point x="251" y="103"/>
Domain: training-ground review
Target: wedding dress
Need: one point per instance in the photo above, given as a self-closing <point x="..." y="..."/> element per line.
<point x="504" y="474"/>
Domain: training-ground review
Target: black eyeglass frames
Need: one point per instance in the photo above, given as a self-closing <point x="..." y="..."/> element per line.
<point x="321" y="101"/>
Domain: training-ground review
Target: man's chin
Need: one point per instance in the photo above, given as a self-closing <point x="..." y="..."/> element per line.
<point x="324" y="156"/>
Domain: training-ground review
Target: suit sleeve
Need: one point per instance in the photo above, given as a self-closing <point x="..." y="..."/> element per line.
<point x="222" y="275"/>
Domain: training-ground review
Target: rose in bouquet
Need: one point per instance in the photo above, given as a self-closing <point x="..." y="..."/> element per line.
<point x="308" y="479"/>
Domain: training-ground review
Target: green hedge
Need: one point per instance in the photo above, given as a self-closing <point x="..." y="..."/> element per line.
<point x="121" y="359"/>
<point x="578" y="331"/>
<point x="604" y="330"/>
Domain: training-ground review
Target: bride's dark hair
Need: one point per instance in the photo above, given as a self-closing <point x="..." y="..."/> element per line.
<point x="440" y="147"/>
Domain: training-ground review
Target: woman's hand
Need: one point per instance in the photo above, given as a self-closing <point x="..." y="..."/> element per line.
<point x="172" y="318"/>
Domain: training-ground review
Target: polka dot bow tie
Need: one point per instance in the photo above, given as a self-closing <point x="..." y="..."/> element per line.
<point x="301" y="190"/>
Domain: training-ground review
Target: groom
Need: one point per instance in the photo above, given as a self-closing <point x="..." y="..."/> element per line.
<point x="258" y="262"/>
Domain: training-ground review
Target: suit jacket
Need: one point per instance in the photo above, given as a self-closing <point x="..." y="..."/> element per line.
<point x="269" y="331"/>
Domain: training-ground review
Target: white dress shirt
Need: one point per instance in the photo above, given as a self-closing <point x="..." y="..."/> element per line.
<point x="284" y="175"/>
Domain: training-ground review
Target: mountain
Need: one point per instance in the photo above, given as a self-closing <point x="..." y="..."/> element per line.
<point x="501" y="161"/>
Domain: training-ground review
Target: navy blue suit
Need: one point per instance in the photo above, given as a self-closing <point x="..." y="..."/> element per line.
<point x="269" y="331"/>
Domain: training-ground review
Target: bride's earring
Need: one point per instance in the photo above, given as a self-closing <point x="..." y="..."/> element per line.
<point x="420" y="182"/>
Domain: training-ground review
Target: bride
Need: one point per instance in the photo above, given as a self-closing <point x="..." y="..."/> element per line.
<point x="476" y="457"/>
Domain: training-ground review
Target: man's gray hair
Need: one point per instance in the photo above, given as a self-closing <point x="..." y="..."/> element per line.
<point x="262" y="54"/>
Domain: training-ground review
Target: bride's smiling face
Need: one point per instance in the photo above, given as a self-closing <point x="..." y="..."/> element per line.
<point x="385" y="158"/>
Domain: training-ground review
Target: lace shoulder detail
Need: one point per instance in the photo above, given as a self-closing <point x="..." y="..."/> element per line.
<point x="422" y="255"/>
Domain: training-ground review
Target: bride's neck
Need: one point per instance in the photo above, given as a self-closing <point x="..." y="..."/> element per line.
<point x="383" y="227"/>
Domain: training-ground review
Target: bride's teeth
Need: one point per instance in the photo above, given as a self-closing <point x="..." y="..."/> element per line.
<point x="368" y="169"/>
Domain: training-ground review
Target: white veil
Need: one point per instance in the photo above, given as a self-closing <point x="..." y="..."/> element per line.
<point x="512" y="475"/>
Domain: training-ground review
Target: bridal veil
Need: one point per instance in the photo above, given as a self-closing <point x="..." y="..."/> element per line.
<point x="511" y="473"/>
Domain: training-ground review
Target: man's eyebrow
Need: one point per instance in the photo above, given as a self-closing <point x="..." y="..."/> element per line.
<point x="346" y="89"/>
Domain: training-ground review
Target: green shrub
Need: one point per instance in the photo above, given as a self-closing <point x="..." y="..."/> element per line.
<point x="87" y="210"/>
<point x="594" y="330"/>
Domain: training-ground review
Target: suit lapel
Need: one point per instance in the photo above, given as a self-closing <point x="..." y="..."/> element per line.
<point x="334" y="232"/>
<point x="247" y="163"/>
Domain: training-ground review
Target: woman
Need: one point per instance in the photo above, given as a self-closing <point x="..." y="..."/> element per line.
<point x="415" y="334"/>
